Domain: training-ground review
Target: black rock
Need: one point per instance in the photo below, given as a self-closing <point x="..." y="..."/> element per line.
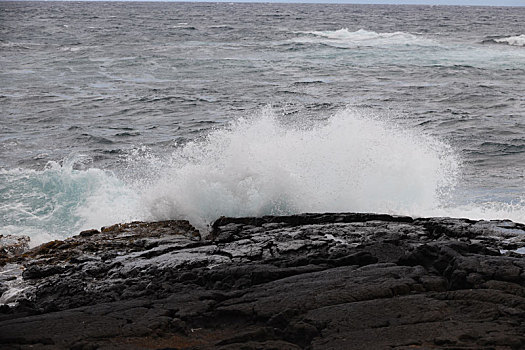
<point x="310" y="281"/>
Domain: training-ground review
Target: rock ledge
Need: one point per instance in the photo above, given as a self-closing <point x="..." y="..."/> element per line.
<point x="309" y="281"/>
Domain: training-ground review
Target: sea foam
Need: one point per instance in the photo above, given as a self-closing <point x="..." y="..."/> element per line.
<point x="518" y="40"/>
<point x="58" y="201"/>
<point x="364" y="37"/>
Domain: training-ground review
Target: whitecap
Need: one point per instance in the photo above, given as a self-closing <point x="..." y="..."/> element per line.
<point x="518" y="40"/>
<point x="364" y="37"/>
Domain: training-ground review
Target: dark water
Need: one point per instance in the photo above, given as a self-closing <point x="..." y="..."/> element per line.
<point x="106" y="108"/>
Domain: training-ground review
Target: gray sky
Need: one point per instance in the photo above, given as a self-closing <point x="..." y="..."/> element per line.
<point x="399" y="2"/>
<point x="426" y="2"/>
<point x="396" y="2"/>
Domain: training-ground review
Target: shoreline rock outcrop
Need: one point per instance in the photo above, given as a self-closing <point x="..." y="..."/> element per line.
<point x="309" y="281"/>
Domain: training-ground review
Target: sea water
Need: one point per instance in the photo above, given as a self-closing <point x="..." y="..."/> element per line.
<point x="112" y="112"/>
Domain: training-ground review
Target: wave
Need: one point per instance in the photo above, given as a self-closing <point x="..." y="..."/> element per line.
<point x="367" y="38"/>
<point x="353" y="161"/>
<point x="518" y="40"/>
<point x="18" y="45"/>
<point x="184" y="26"/>
<point x="76" y="48"/>
<point x="222" y="26"/>
<point x="58" y="201"/>
<point x="259" y="165"/>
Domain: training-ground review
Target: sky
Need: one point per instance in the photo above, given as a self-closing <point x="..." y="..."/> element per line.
<point x="398" y="2"/>
<point x="426" y="2"/>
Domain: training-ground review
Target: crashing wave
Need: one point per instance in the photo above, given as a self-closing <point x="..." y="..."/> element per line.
<point x="259" y="165"/>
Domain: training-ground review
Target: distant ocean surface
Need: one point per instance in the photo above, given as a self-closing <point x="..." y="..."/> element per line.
<point x="111" y="112"/>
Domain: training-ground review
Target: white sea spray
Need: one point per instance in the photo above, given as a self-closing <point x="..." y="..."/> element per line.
<point x="259" y="165"/>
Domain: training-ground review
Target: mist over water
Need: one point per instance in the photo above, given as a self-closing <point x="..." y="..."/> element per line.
<point x="113" y="112"/>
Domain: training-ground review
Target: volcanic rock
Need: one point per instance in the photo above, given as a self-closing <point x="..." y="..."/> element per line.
<point x="309" y="281"/>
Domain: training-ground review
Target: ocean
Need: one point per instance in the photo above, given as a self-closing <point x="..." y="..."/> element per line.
<point x="119" y="111"/>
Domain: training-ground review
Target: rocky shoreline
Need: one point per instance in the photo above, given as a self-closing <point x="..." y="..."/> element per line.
<point x="310" y="281"/>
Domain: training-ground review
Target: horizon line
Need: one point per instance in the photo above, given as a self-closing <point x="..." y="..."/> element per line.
<point x="325" y="2"/>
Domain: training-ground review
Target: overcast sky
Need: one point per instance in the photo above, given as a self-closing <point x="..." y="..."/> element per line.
<point x="425" y="2"/>
<point x="399" y="2"/>
<point x="396" y="2"/>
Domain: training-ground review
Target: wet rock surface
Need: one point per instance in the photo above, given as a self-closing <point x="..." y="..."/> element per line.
<point x="311" y="281"/>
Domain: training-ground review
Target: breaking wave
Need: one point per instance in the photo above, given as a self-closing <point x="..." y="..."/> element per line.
<point x="363" y="37"/>
<point x="260" y="166"/>
<point x="518" y="40"/>
<point x="59" y="201"/>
